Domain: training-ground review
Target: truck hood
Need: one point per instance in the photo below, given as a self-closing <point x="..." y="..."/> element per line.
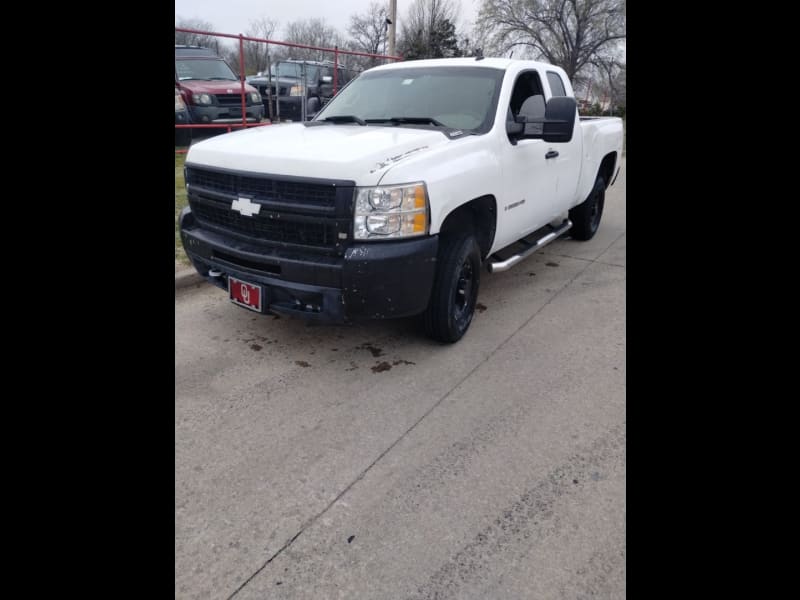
<point x="200" y="86"/>
<point x="359" y="153"/>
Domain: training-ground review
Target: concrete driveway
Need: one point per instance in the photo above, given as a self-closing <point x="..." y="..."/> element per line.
<point x="369" y="462"/>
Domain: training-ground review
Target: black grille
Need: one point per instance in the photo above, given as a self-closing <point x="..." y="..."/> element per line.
<point x="262" y="188"/>
<point x="230" y="99"/>
<point x="313" y="214"/>
<point x="321" y="234"/>
<point x="263" y="90"/>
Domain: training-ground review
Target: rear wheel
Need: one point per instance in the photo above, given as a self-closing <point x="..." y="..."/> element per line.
<point x="586" y="216"/>
<point x="455" y="288"/>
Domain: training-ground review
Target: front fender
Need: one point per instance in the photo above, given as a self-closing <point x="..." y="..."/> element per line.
<point x="454" y="174"/>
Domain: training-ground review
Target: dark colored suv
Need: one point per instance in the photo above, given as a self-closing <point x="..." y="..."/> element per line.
<point x="211" y="90"/>
<point x="293" y="90"/>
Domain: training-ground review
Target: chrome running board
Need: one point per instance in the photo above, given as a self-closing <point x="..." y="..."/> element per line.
<point x="496" y="266"/>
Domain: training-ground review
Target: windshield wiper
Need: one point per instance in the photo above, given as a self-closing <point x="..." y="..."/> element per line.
<point x="345" y="119"/>
<point x="221" y="79"/>
<point x="409" y="120"/>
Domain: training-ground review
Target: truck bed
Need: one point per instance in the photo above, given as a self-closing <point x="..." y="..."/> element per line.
<point x="602" y="136"/>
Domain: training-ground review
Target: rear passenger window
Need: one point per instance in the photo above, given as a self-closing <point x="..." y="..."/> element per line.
<point x="556" y="85"/>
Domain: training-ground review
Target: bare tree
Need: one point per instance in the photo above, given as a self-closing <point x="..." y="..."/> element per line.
<point x="231" y="55"/>
<point x="610" y="83"/>
<point x="569" y="33"/>
<point x="255" y="53"/>
<point x="429" y="30"/>
<point x="368" y="32"/>
<point x="195" y="39"/>
<point x="619" y="84"/>
<point x="312" y="32"/>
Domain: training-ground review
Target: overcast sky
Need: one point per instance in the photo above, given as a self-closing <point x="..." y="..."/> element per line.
<point x="234" y="16"/>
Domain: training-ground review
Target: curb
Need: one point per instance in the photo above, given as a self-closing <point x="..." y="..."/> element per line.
<point x="187" y="278"/>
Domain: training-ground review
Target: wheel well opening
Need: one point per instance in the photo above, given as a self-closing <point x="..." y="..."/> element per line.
<point x="478" y="215"/>
<point x="607" y="167"/>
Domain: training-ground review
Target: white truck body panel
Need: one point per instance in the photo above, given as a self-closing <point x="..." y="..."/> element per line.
<point x="362" y="154"/>
<point x="601" y="136"/>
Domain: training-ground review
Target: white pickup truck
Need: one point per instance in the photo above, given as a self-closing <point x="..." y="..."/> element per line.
<point x="390" y="202"/>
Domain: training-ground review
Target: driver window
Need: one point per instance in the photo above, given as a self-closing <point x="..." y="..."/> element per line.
<point x="528" y="84"/>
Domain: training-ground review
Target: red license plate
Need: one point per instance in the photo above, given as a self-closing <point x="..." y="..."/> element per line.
<point x="245" y="294"/>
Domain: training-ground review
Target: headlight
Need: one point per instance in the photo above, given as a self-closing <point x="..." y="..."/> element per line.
<point x="391" y="212"/>
<point x="255" y="97"/>
<point x="179" y="105"/>
<point x="296" y="90"/>
<point x="202" y="99"/>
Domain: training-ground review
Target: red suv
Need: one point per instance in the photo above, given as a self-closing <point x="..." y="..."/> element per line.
<point x="211" y="90"/>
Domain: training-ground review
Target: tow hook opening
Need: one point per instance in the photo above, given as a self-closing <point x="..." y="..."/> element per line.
<point x="306" y="307"/>
<point x="296" y="301"/>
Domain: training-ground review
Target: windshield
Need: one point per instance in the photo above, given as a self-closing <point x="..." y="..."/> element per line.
<point x="294" y="70"/>
<point x="457" y="97"/>
<point x="202" y="68"/>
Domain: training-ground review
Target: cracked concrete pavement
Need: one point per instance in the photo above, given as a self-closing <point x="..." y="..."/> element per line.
<point x="367" y="461"/>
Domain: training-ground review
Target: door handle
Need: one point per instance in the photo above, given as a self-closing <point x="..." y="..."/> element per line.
<point x="551" y="154"/>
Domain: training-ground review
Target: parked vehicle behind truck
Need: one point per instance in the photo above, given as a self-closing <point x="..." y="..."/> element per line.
<point x="291" y="90"/>
<point x="403" y="188"/>
<point x="211" y="90"/>
<point x="183" y="137"/>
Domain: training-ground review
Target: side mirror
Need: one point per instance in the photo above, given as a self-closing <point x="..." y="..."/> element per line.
<point x="515" y="129"/>
<point x="555" y="127"/>
<point x="327" y="79"/>
<point x="559" y="119"/>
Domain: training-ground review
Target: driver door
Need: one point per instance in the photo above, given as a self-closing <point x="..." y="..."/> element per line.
<point x="530" y="180"/>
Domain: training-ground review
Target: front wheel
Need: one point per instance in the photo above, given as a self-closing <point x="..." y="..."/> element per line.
<point x="586" y="216"/>
<point x="455" y="288"/>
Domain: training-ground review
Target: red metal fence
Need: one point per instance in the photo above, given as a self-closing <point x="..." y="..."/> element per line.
<point x="242" y="39"/>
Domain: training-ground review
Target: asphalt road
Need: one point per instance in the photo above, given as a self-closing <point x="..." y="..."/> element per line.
<point x="369" y="462"/>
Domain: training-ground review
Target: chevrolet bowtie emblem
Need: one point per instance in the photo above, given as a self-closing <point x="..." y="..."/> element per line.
<point x="245" y="207"/>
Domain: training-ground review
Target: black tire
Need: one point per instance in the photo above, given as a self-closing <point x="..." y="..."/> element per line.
<point x="312" y="107"/>
<point x="586" y="216"/>
<point x="455" y="288"/>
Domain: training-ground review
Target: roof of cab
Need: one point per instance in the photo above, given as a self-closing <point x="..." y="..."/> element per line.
<point x="495" y="62"/>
